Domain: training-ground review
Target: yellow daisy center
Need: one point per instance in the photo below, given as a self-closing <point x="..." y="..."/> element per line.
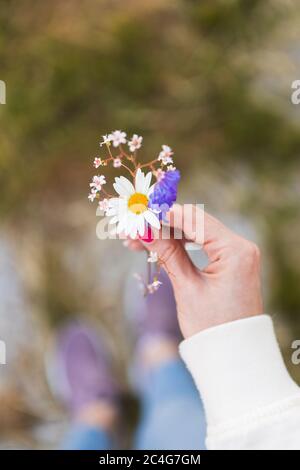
<point x="138" y="203"/>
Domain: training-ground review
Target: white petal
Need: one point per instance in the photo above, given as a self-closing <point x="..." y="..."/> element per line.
<point x="133" y="225"/>
<point x="113" y="231"/>
<point x="139" y="181"/>
<point x="122" y="224"/>
<point x="127" y="184"/>
<point x="123" y="204"/>
<point x="141" y="225"/>
<point x="130" y="219"/>
<point x="120" y="189"/>
<point x="133" y="233"/>
<point x="113" y="202"/>
<point x="123" y="213"/>
<point x="116" y="206"/>
<point x="110" y="212"/>
<point x="152" y="219"/>
<point x="147" y="182"/>
<point x="120" y="228"/>
<point x="114" y="219"/>
<point x="150" y="190"/>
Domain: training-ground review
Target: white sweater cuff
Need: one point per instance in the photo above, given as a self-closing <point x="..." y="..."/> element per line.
<point x="238" y="368"/>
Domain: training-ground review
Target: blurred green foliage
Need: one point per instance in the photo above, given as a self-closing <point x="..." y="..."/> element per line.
<point x="179" y="72"/>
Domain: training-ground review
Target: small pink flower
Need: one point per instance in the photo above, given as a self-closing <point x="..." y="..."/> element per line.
<point x="117" y="138"/>
<point x="98" y="162"/>
<point x="103" y="205"/>
<point x="92" y="195"/>
<point x="165" y="155"/>
<point x="165" y="160"/>
<point x="135" y="143"/>
<point x="106" y="140"/>
<point x="154" y="286"/>
<point x="98" y="182"/>
<point x="117" y="162"/>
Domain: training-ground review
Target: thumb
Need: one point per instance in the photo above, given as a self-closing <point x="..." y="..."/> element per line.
<point x="173" y="258"/>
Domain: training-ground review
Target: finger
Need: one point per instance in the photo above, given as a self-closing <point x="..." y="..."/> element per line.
<point x="173" y="257"/>
<point x="196" y="224"/>
<point x="133" y="245"/>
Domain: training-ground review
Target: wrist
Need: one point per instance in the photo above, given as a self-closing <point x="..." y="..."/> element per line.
<point x="207" y="322"/>
<point x="241" y="358"/>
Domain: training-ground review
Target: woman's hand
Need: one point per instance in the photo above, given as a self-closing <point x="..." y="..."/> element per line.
<point x="228" y="289"/>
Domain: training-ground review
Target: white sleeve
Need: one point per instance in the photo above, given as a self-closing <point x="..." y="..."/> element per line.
<point x="250" y="400"/>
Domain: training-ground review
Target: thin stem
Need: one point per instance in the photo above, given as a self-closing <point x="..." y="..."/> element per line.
<point x="109" y="151"/>
<point x="124" y="153"/>
<point x="148" y="270"/>
<point x="132" y="160"/>
<point x="152" y="162"/>
<point x="128" y="169"/>
<point x="106" y="193"/>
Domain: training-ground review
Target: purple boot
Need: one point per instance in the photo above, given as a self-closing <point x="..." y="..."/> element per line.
<point x="80" y="373"/>
<point x="155" y="314"/>
<point x="153" y="317"/>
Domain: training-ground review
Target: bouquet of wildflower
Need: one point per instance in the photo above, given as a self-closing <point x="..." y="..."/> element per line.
<point x="138" y="206"/>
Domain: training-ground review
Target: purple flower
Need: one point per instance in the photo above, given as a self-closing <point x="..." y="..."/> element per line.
<point x="165" y="192"/>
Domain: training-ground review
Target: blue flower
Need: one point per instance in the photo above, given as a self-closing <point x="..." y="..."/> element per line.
<point x="165" y="192"/>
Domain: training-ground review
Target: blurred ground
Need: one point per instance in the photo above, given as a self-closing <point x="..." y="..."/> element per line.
<point x="212" y="80"/>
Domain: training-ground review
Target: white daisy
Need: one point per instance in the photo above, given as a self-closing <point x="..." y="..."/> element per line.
<point x="130" y="210"/>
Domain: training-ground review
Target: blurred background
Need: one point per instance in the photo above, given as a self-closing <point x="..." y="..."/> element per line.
<point x="212" y="79"/>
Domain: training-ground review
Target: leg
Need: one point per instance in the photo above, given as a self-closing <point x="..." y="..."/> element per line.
<point x="172" y="411"/>
<point x="172" y="415"/>
<point x="85" y="437"/>
<point x="82" y="378"/>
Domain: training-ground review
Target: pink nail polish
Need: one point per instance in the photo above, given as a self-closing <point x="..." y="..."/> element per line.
<point x="148" y="236"/>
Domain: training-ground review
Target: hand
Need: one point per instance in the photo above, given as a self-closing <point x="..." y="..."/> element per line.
<point x="228" y="289"/>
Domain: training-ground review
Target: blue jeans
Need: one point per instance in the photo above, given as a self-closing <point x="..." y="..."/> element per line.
<point x="172" y="415"/>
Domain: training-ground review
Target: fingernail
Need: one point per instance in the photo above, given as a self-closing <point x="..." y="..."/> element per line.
<point x="148" y="236"/>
